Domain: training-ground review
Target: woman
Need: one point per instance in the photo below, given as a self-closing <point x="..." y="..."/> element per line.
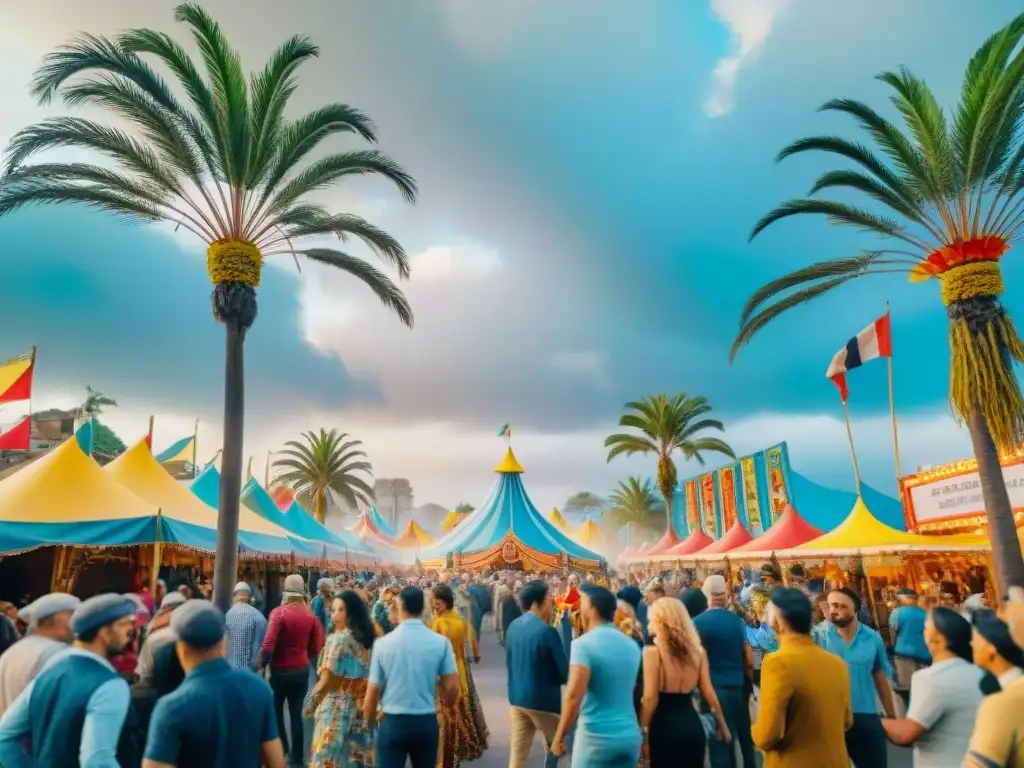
<point x="944" y="697"/>
<point x="998" y="738"/>
<point x="463" y="729"/>
<point x="673" y="667"/>
<point x="341" y="736"/>
<point x="996" y="653"/>
<point x="383" y="610"/>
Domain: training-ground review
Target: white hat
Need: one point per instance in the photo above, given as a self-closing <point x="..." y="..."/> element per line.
<point x="714" y="585"/>
<point x="47" y="606"/>
<point x="242" y="587"/>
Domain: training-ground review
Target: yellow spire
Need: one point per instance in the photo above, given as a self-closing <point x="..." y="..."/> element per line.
<point x="509" y="465"/>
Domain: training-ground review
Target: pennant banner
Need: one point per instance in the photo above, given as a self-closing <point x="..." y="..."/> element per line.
<point x="18" y="437"/>
<point x="16" y="378"/>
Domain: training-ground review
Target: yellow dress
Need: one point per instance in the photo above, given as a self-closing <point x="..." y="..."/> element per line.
<point x="463" y="731"/>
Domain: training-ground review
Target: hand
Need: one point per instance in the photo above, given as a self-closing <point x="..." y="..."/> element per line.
<point x="558" y="746"/>
<point x="476" y="659"/>
<point x="723" y="734"/>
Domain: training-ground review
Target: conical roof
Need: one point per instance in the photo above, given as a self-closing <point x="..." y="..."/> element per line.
<point x="451" y="520"/>
<point x="862" y="532"/>
<point x="558" y="520"/>
<point x="65" y="498"/>
<point x="380" y="523"/>
<point x="693" y="543"/>
<point x="413" y="537"/>
<point x="789" y="531"/>
<point x="590" y="534"/>
<point x="736" y="536"/>
<point x="508" y="517"/>
<point x="663" y="545"/>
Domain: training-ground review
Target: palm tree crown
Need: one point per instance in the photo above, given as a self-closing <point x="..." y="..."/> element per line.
<point x="635" y="501"/>
<point x="664" y="424"/>
<point x="325" y="462"/>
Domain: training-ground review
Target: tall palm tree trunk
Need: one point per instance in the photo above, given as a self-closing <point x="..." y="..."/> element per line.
<point x="670" y="529"/>
<point x="1006" y="548"/>
<point x="318" y="506"/>
<point x="225" y="572"/>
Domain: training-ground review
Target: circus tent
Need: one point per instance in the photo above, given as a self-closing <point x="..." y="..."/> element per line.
<point x="366" y="529"/>
<point x="413" y="537"/>
<point x="736" y="536"/>
<point x="789" y="531"/>
<point x="590" y="534"/>
<point x="380" y="523"/>
<point x="65" y="498"/>
<point x="508" y="529"/>
<point x="451" y="520"/>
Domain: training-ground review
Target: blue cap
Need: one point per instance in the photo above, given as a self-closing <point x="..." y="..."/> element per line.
<point x="198" y="624"/>
<point x="99" y="611"/>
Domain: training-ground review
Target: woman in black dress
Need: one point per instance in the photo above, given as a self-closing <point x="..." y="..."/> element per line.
<point x="674" y="667"/>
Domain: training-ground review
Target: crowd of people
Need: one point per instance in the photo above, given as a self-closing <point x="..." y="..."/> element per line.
<point x="377" y="670"/>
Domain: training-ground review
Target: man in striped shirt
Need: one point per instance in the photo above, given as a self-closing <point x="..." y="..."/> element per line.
<point x="247" y="628"/>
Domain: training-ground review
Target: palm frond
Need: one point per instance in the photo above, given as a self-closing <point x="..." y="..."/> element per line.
<point x="839" y="213"/>
<point x="16" y="196"/>
<point x="860" y="182"/>
<point x="344" y="225"/>
<point x="386" y="291"/>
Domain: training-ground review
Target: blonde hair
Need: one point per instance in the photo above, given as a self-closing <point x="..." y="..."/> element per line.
<point x="670" y="621"/>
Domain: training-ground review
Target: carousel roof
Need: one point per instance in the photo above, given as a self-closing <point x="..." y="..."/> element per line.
<point x="508" y="514"/>
<point x="789" y="531"/>
<point x="736" y="536"/>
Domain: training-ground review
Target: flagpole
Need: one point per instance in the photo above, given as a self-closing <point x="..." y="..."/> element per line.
<point x="266" y="472"/>
<point x="149" y="435"/>
<point x="195" y="450"/>
<point x="892" y="413"/>
<point x="853" y="451"/>
<point x="30" y="397"/>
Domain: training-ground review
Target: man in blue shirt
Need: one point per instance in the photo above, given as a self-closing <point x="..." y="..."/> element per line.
<point x="864" y="653"/>
<point x="219" y="717"/>
<point x="537" y="670"/>
<point x="404" y="670"/>
<point x="911" y="651"/>
<point x="321" y="604"/>
<point x="731" y="663"/>
<point x="74" y="711"/>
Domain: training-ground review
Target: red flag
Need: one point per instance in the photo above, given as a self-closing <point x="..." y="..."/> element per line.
<point x="17" y="437"/>
<point x="16" y="377"/>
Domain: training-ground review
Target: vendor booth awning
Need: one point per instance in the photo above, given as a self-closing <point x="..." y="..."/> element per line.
<point x="736" y="536"/>
<point x="693" y="543"/>
<point x="65" y="498"/>
<point x="789" y="531"/>
<point x="380" y="523"/>
<point x="413" y="537"/>
<point x="366" y="529"/>
<point x="508" y="529"/>
<point x="667" y="542"/>
<point x="863" y="533"/>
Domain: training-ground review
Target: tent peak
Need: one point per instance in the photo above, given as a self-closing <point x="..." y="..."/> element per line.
<point x="509" y="465"/>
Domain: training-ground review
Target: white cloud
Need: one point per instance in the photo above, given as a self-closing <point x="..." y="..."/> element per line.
<point x="749" y="23"/>
<point x="442" y="263"/>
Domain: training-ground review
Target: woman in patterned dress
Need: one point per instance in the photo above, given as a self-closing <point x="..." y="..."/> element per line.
<point x="463" y="729"/>
<point x="341" y="736"/>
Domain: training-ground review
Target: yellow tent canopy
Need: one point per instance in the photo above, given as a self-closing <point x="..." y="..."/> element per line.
<point x="590" y="534"/>
<point x="558" y="520"/>
<point x="863" y="533"/>
<point x="66" y="486"/>
<point x="413" y="537"/>
<point x="451" y="520"/>
<point x="137" y="470"/>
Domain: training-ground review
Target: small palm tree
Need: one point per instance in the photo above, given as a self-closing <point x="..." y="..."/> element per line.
<point x="96" y="403"/>
<point x="464" y="508"/>
<point x="325" y="462"/>
<point x="217" y="157"/>
<point x="665" y="424"/>
<point x="635" y="502"/>
<point x="954" y="194"/>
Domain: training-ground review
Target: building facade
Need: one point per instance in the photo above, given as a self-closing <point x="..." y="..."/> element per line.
<point x="394" y="501"/>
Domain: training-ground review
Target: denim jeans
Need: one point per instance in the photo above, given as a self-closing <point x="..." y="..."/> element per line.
<point x="412" y="737"/>
<point x="735" y="703"/>
<point x="866" y="742"/>
<point x="289" y="689"/>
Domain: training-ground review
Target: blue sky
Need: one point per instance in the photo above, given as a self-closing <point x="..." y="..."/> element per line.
<point x="588" y="185"/>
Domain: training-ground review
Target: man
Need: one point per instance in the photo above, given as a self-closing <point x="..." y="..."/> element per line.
<point x="805" y="692"/>
<point x="864" y="653"/>
<point x="49" y="632"/>
<point x="247" y="628"/>
<point x="293" y="641"/>
<point x="910" y="650"/>
<point x="160" y="633"/>
<point x="482" y="596"/>
<point x="218" y="717"/>
<point x="74" y="710"/>
<point x="405" y="668"/>
<point x="383" y="609"/>
<point x="537" y="670"/>
<point x="321" y="605"/>
<point x="510" y="610"/>
<point x="503" y="598"/>
<point x="655" y="591"/>
<point x="731" y="663"/>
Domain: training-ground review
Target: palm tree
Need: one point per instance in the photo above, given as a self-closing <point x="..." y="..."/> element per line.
<point x="325" y="462"/>
<point x="96" y="403"/>
<point x="954" y="190"/>
<point x="635" y="502"/>
<point x="216" y="156"/>
<point x="464" y="508"/>
<point x="583" y="501"/>
<point x="666" y="424"/>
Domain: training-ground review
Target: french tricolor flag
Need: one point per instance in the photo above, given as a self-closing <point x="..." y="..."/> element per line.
<point x="873" y="342"/>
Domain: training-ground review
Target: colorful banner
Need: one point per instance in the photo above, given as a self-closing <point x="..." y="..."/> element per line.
<point x="707" y="497"/>
<point x="778" y="486"/>
<point x="692" y="516"/>
<point x="727" y="493"/>
<point x="751" y="501"/>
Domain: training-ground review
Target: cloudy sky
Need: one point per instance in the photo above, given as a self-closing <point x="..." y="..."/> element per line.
<point x="589" y="172"/>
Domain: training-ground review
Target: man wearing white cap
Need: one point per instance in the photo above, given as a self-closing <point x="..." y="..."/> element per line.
<point x="246" y="629"/>
<point x="49" y="622"/>
<point x="159" y="633"/>
<point x="74" y="710"/>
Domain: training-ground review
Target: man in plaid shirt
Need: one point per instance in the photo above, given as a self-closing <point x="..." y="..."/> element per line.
<point x="246" y="629"/>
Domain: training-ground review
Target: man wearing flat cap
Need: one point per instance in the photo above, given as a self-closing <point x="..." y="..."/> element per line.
<point x="246" y="629"/>
<point x="49" y="631"/>
<point x="73" y="712"/>
<point x="219" y="717"/>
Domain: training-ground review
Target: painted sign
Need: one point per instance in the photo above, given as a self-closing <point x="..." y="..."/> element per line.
<point x="751" y="497"/>
<point x="778" y="486"/>
<point x="707" y="499"/>
<point x="727" y="491"/>
<point x="960" y="495"/>
<point x="692" y="520"/>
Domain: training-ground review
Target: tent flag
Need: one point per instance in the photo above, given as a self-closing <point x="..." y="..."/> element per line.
<point x="17" y="438"/>
<point x="16" y="377"/>
<point x="180" y="450"/>
<point x="873" y="342"/>
<point x="505" y="431"/>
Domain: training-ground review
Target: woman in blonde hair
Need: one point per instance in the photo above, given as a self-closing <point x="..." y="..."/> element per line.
<point x="674" y="667"/>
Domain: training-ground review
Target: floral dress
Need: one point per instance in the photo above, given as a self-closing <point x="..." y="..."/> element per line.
<point x="463" y="728"/>
<point x="341" y="736"/>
